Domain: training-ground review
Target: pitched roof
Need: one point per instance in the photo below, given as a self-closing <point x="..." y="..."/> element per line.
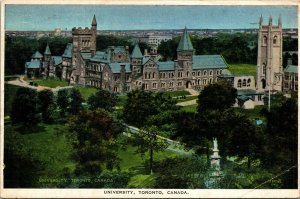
<point x="37" y="55"/>
<point x="86" y="55"/>
<point x="208" y="61"/>
<point x="33" y="64"/>
<point x="248" y="92"/>
<point x="68" y="50"/>
<point x="100" y="56"/>
<point x="185" y="43"/>
<point x="291" y="69"/>
<point x="57" y="60"/>
<point x="47" y="51"/>
<point x="136" y="53"/>
<point x="116" y="67"/>
<point x="163" y="66"/>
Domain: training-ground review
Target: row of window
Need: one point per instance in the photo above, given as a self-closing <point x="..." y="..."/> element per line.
<point x="244" y="83"/>
<point x="179" y="84"/>
<point x="293" y="87"/>
<point x="85" y="42"/>
<point x="290" y="77"/>
<point x="117" y="77"/>
<point x="95" y="67"/>
<point x="274" y="39"/>
<point x="179" y="74"/>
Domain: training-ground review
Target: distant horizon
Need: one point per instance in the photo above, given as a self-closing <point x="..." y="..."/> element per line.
<point x="133" y="17"/>
<point x="149" y="29"/>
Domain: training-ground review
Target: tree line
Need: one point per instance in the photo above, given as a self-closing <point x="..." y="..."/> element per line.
<point x="236" y="48"/>
<point x="19" y="50"/>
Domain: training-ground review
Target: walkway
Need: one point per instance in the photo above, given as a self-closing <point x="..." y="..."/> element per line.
<point x="174" y="146"/>
<point x="22" y="83"/>
<point x="190" y="102"/>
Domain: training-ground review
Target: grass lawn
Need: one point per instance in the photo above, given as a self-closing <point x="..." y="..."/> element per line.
<point x="86" y="91"/>
<point x="188" y="98"/>
<point x="133" y="161"/>
<point x="52" y="146"/>
<point x="122" y="100"/>
<point x="242" y="69"/>
<point x="52" y="83"/>
<point x="190" y="108"/>
<point x="252" y="113"/>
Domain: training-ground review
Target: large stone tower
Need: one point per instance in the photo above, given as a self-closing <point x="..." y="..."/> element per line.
<point x="269" y="57"/>
<point x="84" y="40"/>
<point x="185" y="53"/>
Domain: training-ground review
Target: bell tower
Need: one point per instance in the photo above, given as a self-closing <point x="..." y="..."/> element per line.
<point x="269" y="70"/>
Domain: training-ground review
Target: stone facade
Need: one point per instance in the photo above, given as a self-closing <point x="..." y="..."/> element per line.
<point x="117" y="70"/>
<point x="269" y="61"/>
<point x="290" y="83"/>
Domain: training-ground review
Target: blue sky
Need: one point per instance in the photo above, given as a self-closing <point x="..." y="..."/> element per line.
<point x="48" y="17"/>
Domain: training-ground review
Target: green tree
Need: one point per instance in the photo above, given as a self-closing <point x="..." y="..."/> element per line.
<point x="282" y="130"/>
<point x="25" y="107"/>
<point x="138" y="107"/>
<point x="22" y="166"/>
<point x="63" y="101"/>
<point x="47" y="105"/>
<point x="141" y="106"/>
<point x="181" y="172"/>
<point x="93" y="134"/>
<point x="147" y="140"/>
<point x="75" y="102"/>
<point x="102" y="99"/>
<point x="218" y="96"/>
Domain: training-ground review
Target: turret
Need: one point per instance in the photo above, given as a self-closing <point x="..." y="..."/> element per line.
<point x="270" y="21"/>
<point x="185" y="53"/>
<point x="94" y="35"/>
<point x="47" y="54"/>
<point x="94" y="22"/>
<point x="185" y="43"/>
<point x="260" y="21"/>
<point x="279" y="22"/>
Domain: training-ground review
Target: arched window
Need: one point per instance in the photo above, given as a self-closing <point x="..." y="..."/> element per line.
<point x="210" y="81"/>
<point x="210" y="72"/>
<point x="204" y="73"/>
<point x="239" y="83"/>
<point x="187" y="74"/>
<point x="153" y="75"/>
<point x="244" y="82"/>
<point x="275" y="39"/>
<point x="265" y="39"/>
<point x="248" y="82"/>
<point x="145" y="75"/>
<point x="164" y="75"/>
<point x="149" y="75"/>
<point x="264" y="69"/>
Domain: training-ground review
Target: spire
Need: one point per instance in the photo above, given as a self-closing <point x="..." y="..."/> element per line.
<point x="94" y="22"/>
<point x="260" y="20"/>
<point x="279" y="21"/>
<point x="47" y="51"/>
<point x="270" y="21"/>
<point x="185" y="43"/>
<point x="136" y="53"/>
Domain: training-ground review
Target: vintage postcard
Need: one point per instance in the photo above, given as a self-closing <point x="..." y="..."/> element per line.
<point x="125" y="99"/>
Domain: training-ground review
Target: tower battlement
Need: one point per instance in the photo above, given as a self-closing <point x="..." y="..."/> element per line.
<point x="81" y="31"/>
